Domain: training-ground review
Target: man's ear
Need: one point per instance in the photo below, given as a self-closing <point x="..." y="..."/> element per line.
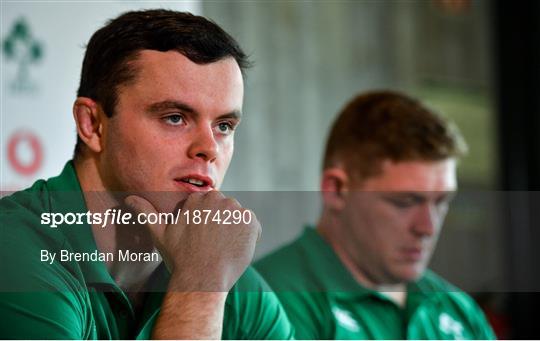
<point x="335" y="184"/>
<point x="88" y="119"/>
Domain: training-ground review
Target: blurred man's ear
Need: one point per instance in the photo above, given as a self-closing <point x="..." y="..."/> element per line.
<point x="335" y="184"/>
<point x="86" y="113"/>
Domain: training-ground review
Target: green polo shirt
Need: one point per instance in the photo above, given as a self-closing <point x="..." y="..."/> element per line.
<point x="323" y="301"/>
<point x="80" y="300"/>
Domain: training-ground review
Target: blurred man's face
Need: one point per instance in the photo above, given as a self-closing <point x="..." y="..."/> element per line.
<point x="173" y="126"/>
<point x="393" y="220"/>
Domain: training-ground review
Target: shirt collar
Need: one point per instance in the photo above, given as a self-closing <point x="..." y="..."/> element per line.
<point x="329" y="271"/>
<point x="337" y="279"/>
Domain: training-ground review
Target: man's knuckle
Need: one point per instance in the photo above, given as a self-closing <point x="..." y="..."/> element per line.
<point x="194" y="196"/>
<point x="232" y="203"/>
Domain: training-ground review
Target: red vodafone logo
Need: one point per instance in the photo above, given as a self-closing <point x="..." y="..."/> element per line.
<point x="25" y="153"/>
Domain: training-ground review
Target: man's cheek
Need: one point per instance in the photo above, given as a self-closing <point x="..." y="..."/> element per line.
<point x="227" y="151"/>
<point x="126" y="145"/>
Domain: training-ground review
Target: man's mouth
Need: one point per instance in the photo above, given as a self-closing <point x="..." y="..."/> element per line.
<point x="196" y="182"/>
<point x="412" y="254"/>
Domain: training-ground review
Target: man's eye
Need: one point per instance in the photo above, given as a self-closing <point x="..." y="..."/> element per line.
<point x="174" y="119"/>
<point x="402" y="202"/>
<point x="225" y="127"/>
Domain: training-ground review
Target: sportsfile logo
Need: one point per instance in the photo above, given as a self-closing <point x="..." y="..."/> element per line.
<point x="122" y="217"/>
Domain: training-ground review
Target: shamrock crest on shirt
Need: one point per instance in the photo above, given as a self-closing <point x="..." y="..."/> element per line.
<point x="345" y="319"/>
<point x="450" y="326"/>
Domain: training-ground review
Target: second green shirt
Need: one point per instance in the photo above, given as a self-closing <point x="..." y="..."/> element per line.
<point x="324" y="301"/>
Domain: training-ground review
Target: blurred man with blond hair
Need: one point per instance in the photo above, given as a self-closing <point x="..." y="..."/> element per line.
<point x="388" y="177"/>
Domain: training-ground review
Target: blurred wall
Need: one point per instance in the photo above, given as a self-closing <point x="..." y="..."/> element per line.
<point x="312" y="57"/>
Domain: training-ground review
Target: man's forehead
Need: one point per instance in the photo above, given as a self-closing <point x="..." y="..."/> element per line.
<point x="156" y="60"/>
<point x="414" y="176"/>
<point x="171" y="76"/>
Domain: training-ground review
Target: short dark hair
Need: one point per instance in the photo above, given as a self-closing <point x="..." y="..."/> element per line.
<point x="106" y="63"/>
<point x="387" y="125"/>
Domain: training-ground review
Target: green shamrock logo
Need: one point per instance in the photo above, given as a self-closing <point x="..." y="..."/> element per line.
<point x="21" y="47"/>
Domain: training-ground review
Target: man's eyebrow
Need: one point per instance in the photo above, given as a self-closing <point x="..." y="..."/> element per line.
<point x="167" y="105"/>
<point x="237" y="115"/>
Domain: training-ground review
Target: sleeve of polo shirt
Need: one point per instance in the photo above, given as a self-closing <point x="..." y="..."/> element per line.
<point x="37" y="300"/>
<point x="483" y="330"/>
<point x="254" y="312"/>
<point x="471" y="312"/>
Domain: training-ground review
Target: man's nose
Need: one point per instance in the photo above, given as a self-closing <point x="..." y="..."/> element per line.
<point x="426" y="220"/>
<point x="204" y="144"/>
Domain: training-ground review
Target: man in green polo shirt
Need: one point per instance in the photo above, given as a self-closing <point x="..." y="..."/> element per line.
<point x="160" y="96"/>
<point x="388" y="178"/>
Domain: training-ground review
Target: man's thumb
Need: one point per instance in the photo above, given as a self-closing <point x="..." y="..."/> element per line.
<point x="143" y="208"/>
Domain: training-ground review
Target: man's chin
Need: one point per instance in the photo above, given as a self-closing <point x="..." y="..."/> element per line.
<point x="409" y="274"/>
<point x="166" y="202"/>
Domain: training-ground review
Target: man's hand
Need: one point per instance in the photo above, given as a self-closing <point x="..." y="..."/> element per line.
<point x="203" y="257"/>
<point x="205" y="261"/>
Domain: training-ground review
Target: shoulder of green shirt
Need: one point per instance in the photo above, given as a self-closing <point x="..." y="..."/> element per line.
<point x="51" y="301"/>
<point x="36" y="301"/>
<point x="288" y="268"/>
<point x="252" y="303"/>
<point x="291" y="273"/>
<point x="433" y="283"/>
<point x="463" y="302"/>
<point x="294" y="273"/>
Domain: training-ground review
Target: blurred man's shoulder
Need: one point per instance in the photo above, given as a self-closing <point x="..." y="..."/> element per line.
<point x="432" y="283"/>
<point x="288" y="265"/>
<point x="253" y="311"/>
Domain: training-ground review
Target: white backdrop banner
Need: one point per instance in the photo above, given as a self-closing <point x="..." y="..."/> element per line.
<point x="42" y="47"/>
